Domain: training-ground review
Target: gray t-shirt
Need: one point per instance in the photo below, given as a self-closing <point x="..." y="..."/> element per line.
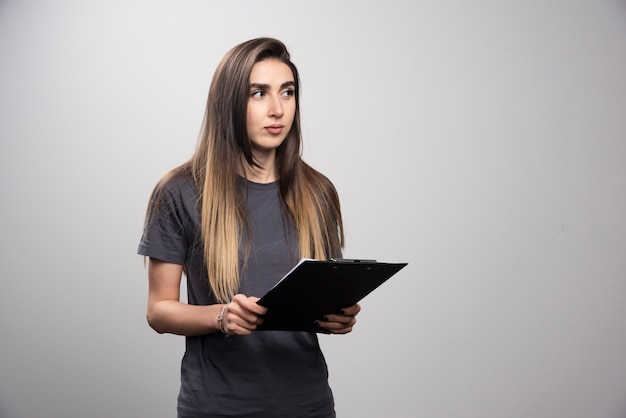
<point x="268" y="373"/>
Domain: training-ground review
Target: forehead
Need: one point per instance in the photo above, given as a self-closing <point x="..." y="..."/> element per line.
<point x="270" y="71"/>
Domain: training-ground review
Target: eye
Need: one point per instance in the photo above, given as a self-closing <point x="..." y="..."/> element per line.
<point x="258" y="94"/>
<point x="288" y="93"/>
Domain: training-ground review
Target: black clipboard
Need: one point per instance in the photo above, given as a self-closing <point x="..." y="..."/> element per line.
<point x="315" y="288"/>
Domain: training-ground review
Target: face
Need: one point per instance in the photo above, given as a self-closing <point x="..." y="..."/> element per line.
<point x="271" y="105"/>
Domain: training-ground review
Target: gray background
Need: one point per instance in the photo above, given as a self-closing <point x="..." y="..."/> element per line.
<point x="483" y="142"/>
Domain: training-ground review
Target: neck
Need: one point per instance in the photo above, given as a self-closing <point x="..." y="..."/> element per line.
<point x="266" y="172"/>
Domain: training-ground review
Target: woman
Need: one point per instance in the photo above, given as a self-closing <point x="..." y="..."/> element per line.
<point x="235" y="218"/>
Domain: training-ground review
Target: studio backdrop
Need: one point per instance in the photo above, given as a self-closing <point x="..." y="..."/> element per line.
<point x="482" y="142"/>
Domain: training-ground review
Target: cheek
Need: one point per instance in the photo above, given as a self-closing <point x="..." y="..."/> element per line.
<point x="255" y="114"/>
<point x="291" y="111"/>
<point x="250" y="119"/>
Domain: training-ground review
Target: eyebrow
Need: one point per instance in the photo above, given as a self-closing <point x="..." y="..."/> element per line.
<point x="261" y="86"/>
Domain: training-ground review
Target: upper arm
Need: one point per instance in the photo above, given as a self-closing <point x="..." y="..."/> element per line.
<point x="163" y="281"/>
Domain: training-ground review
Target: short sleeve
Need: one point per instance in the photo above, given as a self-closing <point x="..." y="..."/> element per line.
<point x="169" y="223"/>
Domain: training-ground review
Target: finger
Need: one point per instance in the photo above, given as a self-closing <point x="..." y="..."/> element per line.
<point x="236" y="322"/>
<point x="352" y="310"/>
<point x="345" y="325"/>
<point x="341" y="319"/>
<point x="254" y="307"/>
<point x="249" y="305"/>
<point x="236" y="325"/>
<point x="249" y="312"/>
<point x="340" y="329"/>
<point x="235" y="329"/>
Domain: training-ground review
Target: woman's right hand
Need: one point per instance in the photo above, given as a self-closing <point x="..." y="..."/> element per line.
<point x="242" y="315"/>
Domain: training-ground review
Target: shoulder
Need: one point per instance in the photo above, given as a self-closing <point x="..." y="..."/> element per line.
<point x="177" y="184"/>
<point x="175" y="195"/>
<point x="319" y="181"/>
<point x="316" y="176"/>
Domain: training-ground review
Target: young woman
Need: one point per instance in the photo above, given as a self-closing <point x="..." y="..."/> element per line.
<point x="234" y="219"/>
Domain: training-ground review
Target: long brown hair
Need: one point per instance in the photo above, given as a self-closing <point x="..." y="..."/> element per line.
<point x="309" y="197"/>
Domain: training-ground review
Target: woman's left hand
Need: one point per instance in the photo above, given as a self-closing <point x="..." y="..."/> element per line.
<point x="341" y="323"/>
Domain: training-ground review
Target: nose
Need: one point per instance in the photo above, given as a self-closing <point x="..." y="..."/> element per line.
<point x="276" y="107"/>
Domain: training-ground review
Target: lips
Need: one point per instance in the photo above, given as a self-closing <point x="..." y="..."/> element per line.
<point x="274" y="129"/>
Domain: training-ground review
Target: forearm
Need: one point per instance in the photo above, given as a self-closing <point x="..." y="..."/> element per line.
<point x="174" y="317"/>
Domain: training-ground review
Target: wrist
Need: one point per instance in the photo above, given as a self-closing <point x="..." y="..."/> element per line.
<point x="221" y="320"/>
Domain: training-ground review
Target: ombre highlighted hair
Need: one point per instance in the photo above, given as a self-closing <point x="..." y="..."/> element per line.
<point x="309" y="198"/>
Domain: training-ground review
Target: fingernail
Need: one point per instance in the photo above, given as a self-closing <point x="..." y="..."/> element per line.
<point x="325" y="318"/>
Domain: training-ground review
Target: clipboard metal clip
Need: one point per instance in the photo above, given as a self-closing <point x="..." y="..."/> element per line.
<point x="351" y="260"/>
